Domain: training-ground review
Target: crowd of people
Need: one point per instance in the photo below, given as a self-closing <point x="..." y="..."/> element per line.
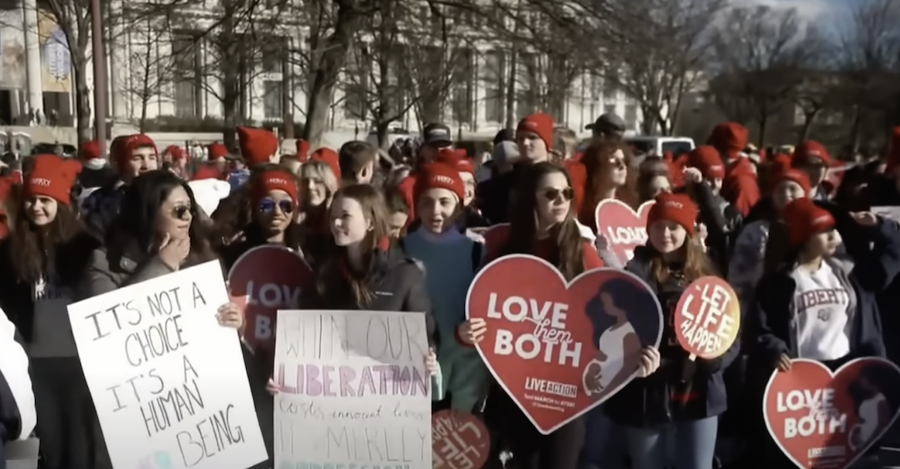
<point x="413" y="239"/>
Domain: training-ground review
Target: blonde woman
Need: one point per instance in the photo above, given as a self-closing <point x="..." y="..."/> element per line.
<point x="318" y="185"/>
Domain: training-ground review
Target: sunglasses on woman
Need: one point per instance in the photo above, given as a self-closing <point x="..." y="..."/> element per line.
<point x="268" y="205"/>
<point x="552" y="193"/>
<point x="182" y="212"/>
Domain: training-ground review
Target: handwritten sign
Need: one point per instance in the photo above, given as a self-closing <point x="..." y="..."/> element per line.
<point x="354" y="390"/>
<point x="707" y="318"/>
<point x="167" y="380"/>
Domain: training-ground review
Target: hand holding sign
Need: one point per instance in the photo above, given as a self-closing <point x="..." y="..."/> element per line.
<point x="821" y="418"/>
<point x="707" y="318"/>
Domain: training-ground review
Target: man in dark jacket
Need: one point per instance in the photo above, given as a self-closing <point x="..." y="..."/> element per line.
<point x="534" y="137"/>
<point x="133" y="155"/>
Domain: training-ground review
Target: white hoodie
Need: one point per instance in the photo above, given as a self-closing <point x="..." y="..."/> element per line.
<point x="14" y="370"/>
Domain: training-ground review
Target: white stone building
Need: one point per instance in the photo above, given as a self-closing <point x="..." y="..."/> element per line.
<point x="143" y="81"/>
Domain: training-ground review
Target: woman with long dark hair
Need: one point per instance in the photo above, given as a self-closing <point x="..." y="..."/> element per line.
<point x="41" y="262"/>
<point x="543" y="224"/>
<point x="157" y="232"/>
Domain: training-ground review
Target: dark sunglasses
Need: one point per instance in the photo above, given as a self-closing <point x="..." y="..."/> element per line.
<point x="182" y="212"/>
<point x="552" y="193"/>
<point x="268" y="205"/>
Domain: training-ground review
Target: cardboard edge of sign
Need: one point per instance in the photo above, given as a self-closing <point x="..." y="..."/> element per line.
<point x="263" y="247"/>
<point x="644" y="206"/>
<point x="503" y="385"/>
<point x="874" y="439"/>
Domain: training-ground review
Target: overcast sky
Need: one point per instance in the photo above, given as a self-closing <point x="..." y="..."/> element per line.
<point x="811" y="9"/>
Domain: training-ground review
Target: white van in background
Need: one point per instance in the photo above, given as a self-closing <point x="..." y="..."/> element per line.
<point x="659" y="146"/>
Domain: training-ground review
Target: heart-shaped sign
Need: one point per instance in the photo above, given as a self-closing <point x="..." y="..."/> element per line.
<point x="262" y="281"/>
<point x="458" y="440"/>
<point x="825" y="419"/>
<point x="623" y="228"/>
<point x="560" y="348"/>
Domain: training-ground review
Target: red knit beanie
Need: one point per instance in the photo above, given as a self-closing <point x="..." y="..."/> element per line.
<point x="707" y="159"/>
<point x="457" y="159"/>
<point x="329" y="157"/>
<point x="540" y="124"/>
<point x="793" y="175"/>
<point x="273" y="180"/>
<point x="439" y="176"/>
<point x="676" y="208"/>
<point x="131" y="143"/>
<point x="808" y="150"/>
<point x="257" y="145"/>
<point x="805" y="219"/>
<point x="302" y="150"/>
<point x="215" y="151"/>
<point x="52" y="176"/>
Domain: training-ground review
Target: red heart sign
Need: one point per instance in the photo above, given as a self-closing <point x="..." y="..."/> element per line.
<point x="458" y="441"/>
<point x="561" y="348"/>
<point x="623" y="228"/>
<point x="262" y="281"/>
<point x="821" y="419"/>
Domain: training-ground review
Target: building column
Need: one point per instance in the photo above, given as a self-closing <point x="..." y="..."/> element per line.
<point x="33" y="56"/>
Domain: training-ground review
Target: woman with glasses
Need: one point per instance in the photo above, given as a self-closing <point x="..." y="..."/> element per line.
<point x="543" y="225"/>
<point x="157" y="232"/>
<point x="264" y="212"/>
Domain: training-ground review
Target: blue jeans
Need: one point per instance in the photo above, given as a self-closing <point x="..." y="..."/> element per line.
<point x="603" y="443"/>
<point x="695" y="444"/>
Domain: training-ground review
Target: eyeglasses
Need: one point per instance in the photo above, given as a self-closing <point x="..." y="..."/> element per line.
<point x="182" y="212"/>
<point x="268" y="205"/>
<point x="552" y="193"/>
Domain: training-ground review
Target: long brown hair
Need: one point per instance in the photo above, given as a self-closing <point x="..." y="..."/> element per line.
<point x="696" y="263"/>
<point x="596" y="161"/>
<point x="335" y="271"/>
<point x="650" y="169"/>
<point x="31" y="247"/>
<point x="569" y="255"/>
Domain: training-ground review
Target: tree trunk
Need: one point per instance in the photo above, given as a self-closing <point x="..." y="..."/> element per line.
<point x="511" y="88"/>
<point x="808" y="120"/>
<point x="230" y="80"/>
<point x="326" y="73"/>
<point x="82" y="96"/>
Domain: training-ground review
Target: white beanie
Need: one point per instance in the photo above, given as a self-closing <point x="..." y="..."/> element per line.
<point x="208" y="193"/>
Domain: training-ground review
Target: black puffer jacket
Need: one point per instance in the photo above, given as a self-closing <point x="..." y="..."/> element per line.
<point x="397" y="283"/>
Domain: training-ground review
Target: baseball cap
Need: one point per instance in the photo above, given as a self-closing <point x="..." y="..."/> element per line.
<point x="437" y="133"/>
<point x="609" y="122"/>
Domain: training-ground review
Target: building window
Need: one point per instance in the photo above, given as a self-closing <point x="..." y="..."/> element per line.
<point x="273" y="55"/>
<point x="187" y="77"/>
<point x="494" y="86"/>
<point x="273" y="99"/>
<point x="528" y="80"/>
<point x="610" y="91"/>
<point x="631" y="116"/>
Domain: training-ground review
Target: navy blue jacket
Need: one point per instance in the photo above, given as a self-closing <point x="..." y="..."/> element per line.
<point x="871" y="273"/>
<point x="648" y="401"/>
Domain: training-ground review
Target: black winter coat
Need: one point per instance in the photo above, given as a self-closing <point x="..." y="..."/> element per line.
<point x="398" y="284"/>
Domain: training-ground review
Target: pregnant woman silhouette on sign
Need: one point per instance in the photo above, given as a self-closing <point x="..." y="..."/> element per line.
<point x="625" y="319"/>
<point x="873" y="410"/>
